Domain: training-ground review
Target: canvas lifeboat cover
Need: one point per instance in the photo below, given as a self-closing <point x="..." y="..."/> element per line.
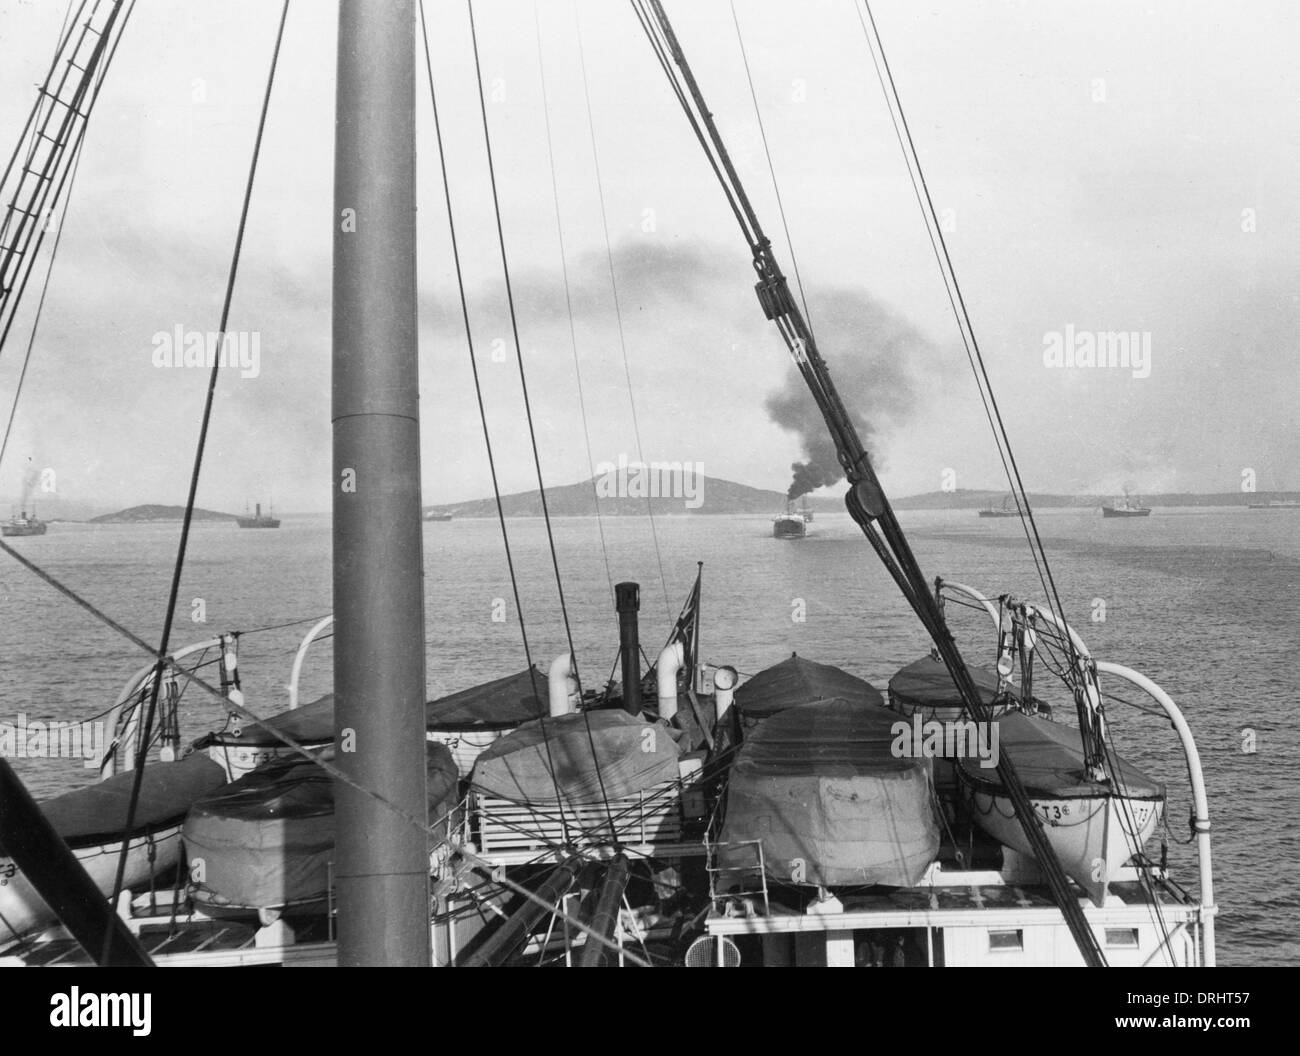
<point x="268" y="839"/>
<point x="926" y="686"/>
<point x="1049" y="759"/>
<point x="311" y="724"/>
<point x="96" y="814"/>
<point x="497" y="705"/>
<point x="630" y="756"/>
<point x="797" y="681"/>
<point x="820" y="788"/>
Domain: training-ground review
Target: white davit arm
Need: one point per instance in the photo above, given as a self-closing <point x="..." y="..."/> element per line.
<point x="301" y="656"/>
<point x="1200" y="802"/>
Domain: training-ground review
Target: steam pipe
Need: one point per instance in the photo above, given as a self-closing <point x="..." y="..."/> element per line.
<point x="627" y="600"/>
<point x="666" y="667"/>
<point x="561" y="685"/>
<point x="724" y="695"/>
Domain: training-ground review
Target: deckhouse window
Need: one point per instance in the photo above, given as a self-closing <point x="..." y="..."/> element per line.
<point x="1011" y="939"/>
<point x="1122" y="938"/>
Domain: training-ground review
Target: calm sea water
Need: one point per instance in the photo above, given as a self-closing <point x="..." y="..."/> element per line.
<point x="1205" y="601"/>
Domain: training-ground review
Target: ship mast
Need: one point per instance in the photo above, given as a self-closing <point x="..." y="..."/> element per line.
<point x="382" y="867"/>
<point x="866" y="500"/>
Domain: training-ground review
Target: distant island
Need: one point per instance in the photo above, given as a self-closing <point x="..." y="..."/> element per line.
<point x="150" y="513"/>
<point x="974" y="499"/>
<point x="628" y="495"/>
<point x="712" y="495"/>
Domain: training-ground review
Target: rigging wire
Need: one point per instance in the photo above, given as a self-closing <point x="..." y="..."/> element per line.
<point x="568" y="299"/>
<point x="63" y="38"/>
<point x="519" y="352"/>
<point x="771" y="168"/>
<point x="174" y="592"/>
<point x="934" y="234"/>
<point x="40" y="303"/>
<point x="957" y="299"/>
<point x="870" y="508"/>
<point x="288" y="740"/>
<point x="532" y="436"/>
<point x="660" y="48"/>
<point x="26" y="239"/>
<point x="528" y="410"/>
<point x="478" y="392"/>
<point x="70" y="177"/>
<point x="618" y="308"/>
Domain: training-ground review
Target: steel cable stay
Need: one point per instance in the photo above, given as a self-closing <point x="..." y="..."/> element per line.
<point x="478" y="392"/>
<point x="618" y="307"/>
<point x="568" y="298"/>
<point x="68" y="178"/>
<point x="165" y="662"/>
<point x="63" y="38"/>
<point x="771" y="168"/>
<point x="24" y="226"/>
<point x="514" y="330"/>
<point x="174" y="591"/>
<point x="528" y="411"/>
<point x="244" y="713"/>
<point x="1092" y="749"/>
<point x="871" y="509"/>
<point x="934" y="233"/>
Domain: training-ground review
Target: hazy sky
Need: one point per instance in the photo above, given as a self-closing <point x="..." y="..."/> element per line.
<point x="1102" y="167"/>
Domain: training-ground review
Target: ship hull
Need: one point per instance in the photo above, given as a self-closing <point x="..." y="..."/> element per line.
<point x="1090" y="834"/>
<point x="789" y="528"/>
<point x="23" y="912"/>
<point x="1093" y="830"/>
<point x="11" y="530"/>
<point x="1120" y="511"/>
<point x="91" y="820"/>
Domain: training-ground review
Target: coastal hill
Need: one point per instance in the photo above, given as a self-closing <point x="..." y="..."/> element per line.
<point x="972" y="499"/>
<point x="151" y="513"/>
<point x="713" y="495"/>
<point x="626" y="497"/>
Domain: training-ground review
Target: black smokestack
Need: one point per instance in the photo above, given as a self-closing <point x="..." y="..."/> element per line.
<point x="627" y="600"/>
<point x="872" y="355"/>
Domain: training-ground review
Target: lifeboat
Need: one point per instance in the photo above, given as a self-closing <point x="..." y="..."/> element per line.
<point x="470" y="720"/>
<point x="266" y="841"/>
<point x="241" y="748"/>
<point x="795" y="682"/>
<point x="1095" y="827"/>
<point x="91" y="821"/>
<point x="819" y="789"/>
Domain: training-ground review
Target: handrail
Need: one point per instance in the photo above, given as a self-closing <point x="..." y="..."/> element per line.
<point x="1200" y="801"/>
<point x="301" y="655"/>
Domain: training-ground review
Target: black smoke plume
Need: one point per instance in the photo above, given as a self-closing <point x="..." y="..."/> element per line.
<point x="873" y="356"/>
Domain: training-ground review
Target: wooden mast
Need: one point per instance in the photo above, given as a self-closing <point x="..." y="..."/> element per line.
<point x="382" y="866"/>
